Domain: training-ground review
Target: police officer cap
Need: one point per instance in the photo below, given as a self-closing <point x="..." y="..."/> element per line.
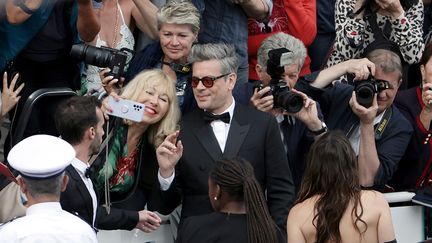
<point x="41" y="156"/>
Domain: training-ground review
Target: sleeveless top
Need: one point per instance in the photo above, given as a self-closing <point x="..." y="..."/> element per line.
<point x="93" y="82"/>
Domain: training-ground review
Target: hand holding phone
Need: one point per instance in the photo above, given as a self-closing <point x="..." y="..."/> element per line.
<point x="126" y="109"/>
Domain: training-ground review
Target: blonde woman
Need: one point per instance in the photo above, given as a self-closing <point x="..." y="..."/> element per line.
<point x="131" y="163"/>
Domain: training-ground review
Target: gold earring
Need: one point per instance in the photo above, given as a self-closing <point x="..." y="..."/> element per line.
<point x="215" y="198"/>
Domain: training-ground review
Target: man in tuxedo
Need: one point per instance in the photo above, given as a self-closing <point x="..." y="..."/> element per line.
<point x="220" y="128"/>
<point x="79" y="121"/>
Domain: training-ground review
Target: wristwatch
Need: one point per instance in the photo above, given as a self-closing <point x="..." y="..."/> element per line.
<point x="21" y="4"/>
<point x="320" y="131"/>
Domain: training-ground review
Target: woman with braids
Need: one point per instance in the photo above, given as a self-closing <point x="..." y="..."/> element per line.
<point x="331" y="205"/>
<point x="241" y="213"/>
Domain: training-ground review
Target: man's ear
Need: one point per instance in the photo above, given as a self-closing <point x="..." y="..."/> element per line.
<point x="22" y="185"/>
<point x="91" y="133"/>
<point x="64" y="183"/>
<point x="232" y="79"/>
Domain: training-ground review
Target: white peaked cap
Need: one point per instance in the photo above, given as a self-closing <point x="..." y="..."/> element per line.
<point x="41" y="156"/>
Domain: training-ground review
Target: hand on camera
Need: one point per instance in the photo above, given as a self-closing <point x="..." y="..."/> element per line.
<point x="261" y="101"/>
<point x="9" y="96"/>
<point x="168" y="154"/>
<point x="308" y="113"/>
<point x="109" y="83"/>
<point x="361" y="68"/>
<point x="366" y="115"/>
<point x="148" y="221"/>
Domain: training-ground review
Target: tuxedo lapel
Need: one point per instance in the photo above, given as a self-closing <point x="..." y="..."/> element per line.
<point x="208" y="140"/>
<point x="236" y="135"/>
<point x="82" y="189"/>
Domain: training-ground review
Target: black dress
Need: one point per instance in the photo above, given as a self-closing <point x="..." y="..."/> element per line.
<point x="217" y="227"/>
<point x="214" y="227"/>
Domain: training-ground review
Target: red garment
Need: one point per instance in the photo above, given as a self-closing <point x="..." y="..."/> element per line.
<point x="294" y="17"/>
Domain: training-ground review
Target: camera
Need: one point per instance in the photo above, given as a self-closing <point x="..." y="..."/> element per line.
<point x="103" y="56"/>
<point x="366" y="89"/>
<point x="283" y="97"/>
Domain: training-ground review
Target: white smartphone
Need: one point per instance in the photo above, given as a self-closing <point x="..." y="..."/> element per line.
<point x="126" y="109"/>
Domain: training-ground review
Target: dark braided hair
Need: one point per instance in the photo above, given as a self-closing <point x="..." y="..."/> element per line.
<point x="236" y="177"/>
<point x="332" y="174"/>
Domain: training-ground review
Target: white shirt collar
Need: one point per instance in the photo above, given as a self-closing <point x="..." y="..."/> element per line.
<point x="43" y="207"/>
<point x="79" y="165"/>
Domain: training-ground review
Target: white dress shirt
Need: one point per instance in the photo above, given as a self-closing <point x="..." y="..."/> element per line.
<point x="48" y="223"/>
<point x="220" y="130"/>
<point x="81" y="168"/>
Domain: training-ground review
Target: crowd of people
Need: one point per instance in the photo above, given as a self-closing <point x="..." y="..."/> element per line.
<point x="266" y="121"/>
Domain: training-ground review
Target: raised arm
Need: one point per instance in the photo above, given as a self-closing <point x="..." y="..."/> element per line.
<point x="18" y="11"/>
<point x="145" y="17"/>
<point x="359" y="67"/>
<point x="87" y="24"/>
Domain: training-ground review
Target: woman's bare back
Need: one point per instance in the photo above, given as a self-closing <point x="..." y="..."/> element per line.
<point x="376" y="214"/>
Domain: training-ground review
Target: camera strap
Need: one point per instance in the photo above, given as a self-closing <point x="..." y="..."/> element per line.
<point x="382" y="125"/>
<point x="178" y="67"/>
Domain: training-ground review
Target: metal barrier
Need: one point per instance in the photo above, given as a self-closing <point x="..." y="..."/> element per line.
<point x="28" y="108"/>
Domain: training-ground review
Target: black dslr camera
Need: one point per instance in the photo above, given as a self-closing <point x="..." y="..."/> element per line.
<point x="366" y="89"/>
<point x="283" y="97"/>
<point x="103" y="56"/>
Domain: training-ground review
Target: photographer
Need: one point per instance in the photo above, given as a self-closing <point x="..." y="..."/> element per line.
<point x="298" y="129"/>
<point x="36" y="44"/>
<point x="379" y="134"/>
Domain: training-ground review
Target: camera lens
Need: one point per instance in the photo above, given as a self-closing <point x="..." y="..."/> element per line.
<point x="289" y="101"/>
<point x="91" y="55"/>
<point x="365" y="94"/>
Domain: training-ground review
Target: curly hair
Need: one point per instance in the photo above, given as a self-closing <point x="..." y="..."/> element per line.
<point x="332" y="174"/>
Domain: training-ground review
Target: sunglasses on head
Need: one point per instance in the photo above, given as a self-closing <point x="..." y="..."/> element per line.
<point x="206" y="81"/>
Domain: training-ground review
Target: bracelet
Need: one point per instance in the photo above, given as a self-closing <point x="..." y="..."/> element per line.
<point x="23" y="7"/>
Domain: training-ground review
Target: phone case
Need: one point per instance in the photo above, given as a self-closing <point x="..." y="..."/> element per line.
<point x="126" y="109"/>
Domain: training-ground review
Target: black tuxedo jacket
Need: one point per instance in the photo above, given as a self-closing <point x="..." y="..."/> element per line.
<point x="253" y="135"/>
<point x="77" y="200"/>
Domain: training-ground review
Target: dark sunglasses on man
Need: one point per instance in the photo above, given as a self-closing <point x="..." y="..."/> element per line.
<point x="207" y="81"/>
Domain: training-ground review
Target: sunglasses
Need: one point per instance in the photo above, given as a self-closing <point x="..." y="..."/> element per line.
<point x="206" y="81"/>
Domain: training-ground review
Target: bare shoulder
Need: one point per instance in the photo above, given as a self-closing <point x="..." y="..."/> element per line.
<point x="304" y="209"/>
<point x="373" y="199"/>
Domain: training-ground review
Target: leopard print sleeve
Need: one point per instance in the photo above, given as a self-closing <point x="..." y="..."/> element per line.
<point x="353" y="34"/>
<point x="408" y="33"/>
<point x="349" y="33"/>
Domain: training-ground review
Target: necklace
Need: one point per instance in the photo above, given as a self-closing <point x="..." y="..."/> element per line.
<point x="113" y="45"/>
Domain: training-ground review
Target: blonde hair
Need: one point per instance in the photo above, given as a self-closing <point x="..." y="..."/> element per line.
<point x="160" y="81"/>
<point x="176" y="12"/>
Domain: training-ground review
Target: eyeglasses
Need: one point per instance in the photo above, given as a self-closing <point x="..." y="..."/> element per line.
<point x="206" y="81"/>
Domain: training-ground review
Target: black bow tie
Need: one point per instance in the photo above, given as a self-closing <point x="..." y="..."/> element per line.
<point x="209" y="117"/>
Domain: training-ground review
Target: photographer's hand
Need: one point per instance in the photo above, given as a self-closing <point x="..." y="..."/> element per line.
<point x="309" y="113"/>
<point x="366" y="115"/>
<point x="108" y="82"/>
<point x="9" y="96"/>
<point x="261" y="101"/>
<point x="361" y="68"/>
<point x="168" y="154"/>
